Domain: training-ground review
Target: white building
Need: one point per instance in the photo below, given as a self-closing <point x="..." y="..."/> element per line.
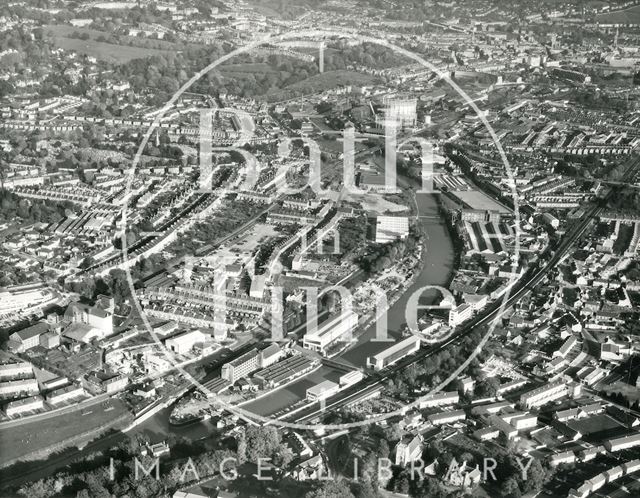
<point x="184" y="342"/>
<point x="614" y="473"/>
<point x="545" y="394"/>
<point x="596" y="482"/>
<point x="15" y="387"/>
<point x="18" y="299"/>
<point x="511" y="386"/>
<point x="408" y="449"/>
<point x="394" y="353"/>
<point x="330" y="331"/>
<point x="524" y="421"/>
<point x="27" y="338"/>
<point x="269" y="355"/>
<point x="241" y="366"/>
<point x="508" y="430"/>
<point x="564" y="457"/>
<point x="439" y="399"/>
<point x="476" y="301"/>
<point x="24" y="405"/>
<point x="351" y="378"/>
<point x="249" y="362"/>
<point x="486" y="434"/>
<point x="9" y="370"/>
<point x="632" y="466"/>
<point x="460" y="314"/>
<point x="90" y="322"/>
<point x="54" y="383"/>
<point x="622" y="443"/>
<point x="322" y="390"/>
<point x="65" y="394"/>
<point x="447" y="417"/>
<point x="390" y="228"/>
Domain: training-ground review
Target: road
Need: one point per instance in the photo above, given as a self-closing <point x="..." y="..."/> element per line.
<point x="526" y="284"/>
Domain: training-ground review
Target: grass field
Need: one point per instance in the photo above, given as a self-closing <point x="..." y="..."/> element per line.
<point x="332" y="79"/>
<point x="322" y="82"/>
<point x="105" y="51"/>
<point x="626" y="16"/>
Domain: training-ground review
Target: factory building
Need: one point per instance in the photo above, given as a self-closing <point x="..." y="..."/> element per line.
<point x="330" y="331"/>
<point x="391" y="228"/>
<point x="184" y="343"/>
<point x="394" y="353"/>
<point x="249" y="362"/>
<point x="322" y="391"/>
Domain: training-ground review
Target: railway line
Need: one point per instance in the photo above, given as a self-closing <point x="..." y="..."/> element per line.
<point x="534" y="276"/>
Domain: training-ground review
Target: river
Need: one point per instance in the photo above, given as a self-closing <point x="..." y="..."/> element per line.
<point x="436" y="270"/>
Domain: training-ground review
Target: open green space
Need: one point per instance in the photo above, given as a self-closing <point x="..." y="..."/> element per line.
<point x="626" y="16"/>
<point x="102" y="50"/>
<point x="323" y="82"/>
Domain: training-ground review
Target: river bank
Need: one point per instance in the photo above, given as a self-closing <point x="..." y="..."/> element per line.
<point x="438" y="264"/>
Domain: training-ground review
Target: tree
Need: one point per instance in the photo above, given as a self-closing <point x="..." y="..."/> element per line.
<point x="86" y="263"/>
<point x="283" y="456"/>
<point x="536" y="477"/>
<point x="39" y="489"/>
<point x="401" y="484"/>
<point x="429" y="488"/>
<point x="383" y="448"/>
<point x="510" y="488"/>
<point x="488" y="386"/>
<point x="365" y="490"/>
<point x="331" y="489"/>
<point x="262" y="442"/>
<point x="393" y="432"/>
